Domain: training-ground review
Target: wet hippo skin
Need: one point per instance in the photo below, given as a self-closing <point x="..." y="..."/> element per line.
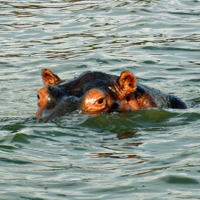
<point x="96" y="92"/>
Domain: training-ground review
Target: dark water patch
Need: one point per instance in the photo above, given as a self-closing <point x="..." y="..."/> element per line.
<point x="82" y="66"/>
<point x="185" y="13"/>
<point x="31" y="198"/>
<point x="14" y="127"/>
<point x="196" y="102"/>
<point x="149" y="119"/>
<point x="102" y="61"/>
<point x="176" y="69"/>
<point x="195" y="80"/>
<point x="145" y="80"/>
<point x="7" y="148"/>
<point x="105" y="122"/>
<point x="14" y="161"/>
<point x="169" y="48"/>
<point x="149" y="62"/>
<point x="194" y="62"/>
<point x="180" y="180"/>
<point x="191" y="116"/>
<point x="21" y="138"/>
<point x="15" y="124"/>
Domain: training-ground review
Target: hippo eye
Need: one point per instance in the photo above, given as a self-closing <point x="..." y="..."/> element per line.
<point x="100" y="101"/>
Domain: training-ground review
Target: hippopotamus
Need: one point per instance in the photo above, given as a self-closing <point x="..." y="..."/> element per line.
<point x="95" y="92"/>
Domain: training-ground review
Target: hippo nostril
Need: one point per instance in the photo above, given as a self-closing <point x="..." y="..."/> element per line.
<point x="38" y="96"/>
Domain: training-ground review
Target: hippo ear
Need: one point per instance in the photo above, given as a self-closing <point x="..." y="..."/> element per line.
<point x="50" y="78"/>
<point x="127" y="83"/>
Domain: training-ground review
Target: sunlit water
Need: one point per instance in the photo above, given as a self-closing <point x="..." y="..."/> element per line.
<point x="146" y="154"/>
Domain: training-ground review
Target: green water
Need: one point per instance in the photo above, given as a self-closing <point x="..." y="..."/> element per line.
<point x="146" y="154"/>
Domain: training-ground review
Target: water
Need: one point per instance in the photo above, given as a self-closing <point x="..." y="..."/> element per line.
<point x="146" y="154"/>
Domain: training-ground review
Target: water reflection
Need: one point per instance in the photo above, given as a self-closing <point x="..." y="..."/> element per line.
<point x="126" y="134"/>
<point x="112" y="155"/>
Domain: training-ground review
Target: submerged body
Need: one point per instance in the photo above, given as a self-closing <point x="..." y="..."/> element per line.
<point x="96" y="92"/>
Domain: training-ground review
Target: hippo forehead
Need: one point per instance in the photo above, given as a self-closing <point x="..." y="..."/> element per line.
<point x="87" y="81"/>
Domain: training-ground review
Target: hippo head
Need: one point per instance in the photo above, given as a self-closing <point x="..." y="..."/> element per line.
<point x="91" y="92"/>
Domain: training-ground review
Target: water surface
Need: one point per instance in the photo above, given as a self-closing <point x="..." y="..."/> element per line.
<point x="146" y="154"/>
